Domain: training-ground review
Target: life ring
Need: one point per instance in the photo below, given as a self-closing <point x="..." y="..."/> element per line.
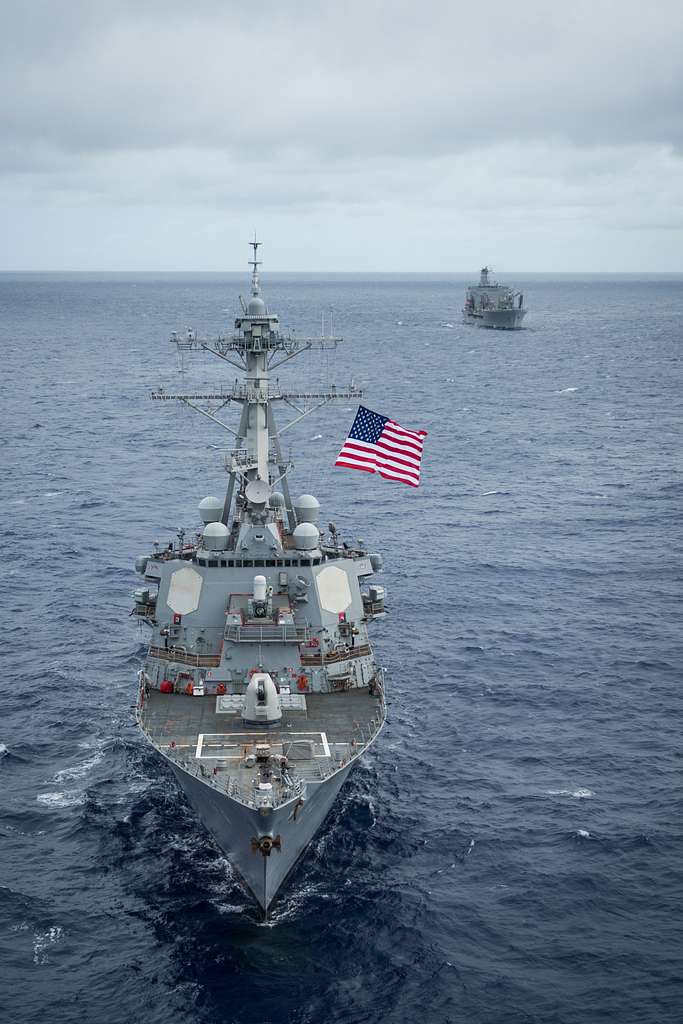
<point x="302" y="683"/>
<point x="220" y="689"/>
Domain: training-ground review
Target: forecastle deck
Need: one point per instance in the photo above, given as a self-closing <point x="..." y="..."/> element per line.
<point x="308" y="745"/>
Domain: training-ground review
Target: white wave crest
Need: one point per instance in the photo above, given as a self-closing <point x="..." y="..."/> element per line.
<point x="78" y="771"/>
<point x="578" y="794"/>
<point x="42" y="942"/>
<point x="565" y="391"/>
<point x="67" y="798"/>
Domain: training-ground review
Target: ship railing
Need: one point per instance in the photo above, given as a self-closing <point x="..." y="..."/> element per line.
<point x="283" y="633"/>
<point x="182" y="657"/>
<point x="330" y="657"/>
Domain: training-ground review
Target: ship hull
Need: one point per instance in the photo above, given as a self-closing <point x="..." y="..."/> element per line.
<point x="238" y="829"/>
<point x="497" y="319"/>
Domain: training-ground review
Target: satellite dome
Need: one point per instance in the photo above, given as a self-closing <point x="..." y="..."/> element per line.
<point x="210" y="509"/>
<point x="307" y="508"/>
<point x="306" y="537"/>
<point x="257" y="306"/>
<point x="277" y="500"/>
<point x="216" y="537"/>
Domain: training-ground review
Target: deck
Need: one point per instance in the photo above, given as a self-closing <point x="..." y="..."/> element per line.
<point x="333" y="729"/>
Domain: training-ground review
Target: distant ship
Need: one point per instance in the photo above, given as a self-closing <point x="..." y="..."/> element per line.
<point x="489" y="304"/>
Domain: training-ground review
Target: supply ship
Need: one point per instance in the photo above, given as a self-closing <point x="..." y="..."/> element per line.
<point x="489" y="304"/>
<point x="260" y="689"/>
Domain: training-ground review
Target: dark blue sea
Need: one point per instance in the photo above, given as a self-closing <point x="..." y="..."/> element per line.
<point x="511" y="851"/>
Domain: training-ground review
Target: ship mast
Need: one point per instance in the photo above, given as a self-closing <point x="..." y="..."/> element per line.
<point x="256" y="347"/>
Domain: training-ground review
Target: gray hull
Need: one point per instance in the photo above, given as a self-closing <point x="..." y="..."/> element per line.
<point x="497" y="319"/>
<point x="501" y="320"/>
<point x="238" y="829"/>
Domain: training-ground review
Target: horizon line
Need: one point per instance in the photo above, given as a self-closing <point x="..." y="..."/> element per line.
<point x="421" y="273"/>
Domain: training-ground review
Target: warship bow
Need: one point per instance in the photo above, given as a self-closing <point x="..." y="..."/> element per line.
<point x="260" y="688"/>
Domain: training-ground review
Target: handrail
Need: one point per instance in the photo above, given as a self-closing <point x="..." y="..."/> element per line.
<point x="285" y="632"/>
<point x="183" y="658"/>
<point x="331" y="657"/>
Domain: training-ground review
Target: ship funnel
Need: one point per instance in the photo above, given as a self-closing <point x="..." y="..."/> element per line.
<point x="261" y="705"/>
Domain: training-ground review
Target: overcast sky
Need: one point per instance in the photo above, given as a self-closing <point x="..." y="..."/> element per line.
<point x="373" y="135"/>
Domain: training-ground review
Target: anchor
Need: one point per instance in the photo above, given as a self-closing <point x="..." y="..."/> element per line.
<point x="265" y="844"/>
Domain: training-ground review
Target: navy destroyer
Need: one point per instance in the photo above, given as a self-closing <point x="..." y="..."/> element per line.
<point x="489" y="304"/>
<point x="260" y="689"/>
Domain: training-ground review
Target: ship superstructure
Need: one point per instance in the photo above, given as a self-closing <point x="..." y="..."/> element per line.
<point x="489" y="304"/>
<point x="260" y="688"/>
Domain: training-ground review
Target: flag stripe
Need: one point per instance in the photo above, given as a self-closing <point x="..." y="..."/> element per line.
<point x="407" y="442"/>
<point x="355" y="465"/>
<point x="354" y="457"/>
<point x="362" y="460"/>
<point x="417" y="434"/>
<point x="393" y="476"/>
<point x="406" y="452"/>
<point x="353" y="446"/>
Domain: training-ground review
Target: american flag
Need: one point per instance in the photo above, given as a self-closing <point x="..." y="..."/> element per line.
<point x="377" y="444"/>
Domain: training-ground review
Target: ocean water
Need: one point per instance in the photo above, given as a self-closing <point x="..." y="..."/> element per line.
<point x="511" y="850"/>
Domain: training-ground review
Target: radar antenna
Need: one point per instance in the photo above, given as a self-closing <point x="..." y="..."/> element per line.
<point x="255" y="264"/>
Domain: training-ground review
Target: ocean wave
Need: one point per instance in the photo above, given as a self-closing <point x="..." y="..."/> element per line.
<point x="42" y="941"/>
<point x="577" y="794"/>
<point x="65" y="798"/>
<point x="78" y="771"/>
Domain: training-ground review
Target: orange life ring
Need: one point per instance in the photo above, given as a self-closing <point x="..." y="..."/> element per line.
<point x="302" y="683"/>
<point x="220" y="689"/>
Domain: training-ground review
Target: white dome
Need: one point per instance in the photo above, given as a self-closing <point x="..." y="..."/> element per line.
<point x="257" y="306"/>
<point x="210" y="509"/>
<point x="216" y="537"/>
<point x="306" y="537"/>
<point x="307" y="508"/>
<point x="277" y="500"/>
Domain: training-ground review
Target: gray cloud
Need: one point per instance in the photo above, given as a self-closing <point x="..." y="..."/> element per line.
<point x="512" y="112"/>
<point x="373" y="78"/>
